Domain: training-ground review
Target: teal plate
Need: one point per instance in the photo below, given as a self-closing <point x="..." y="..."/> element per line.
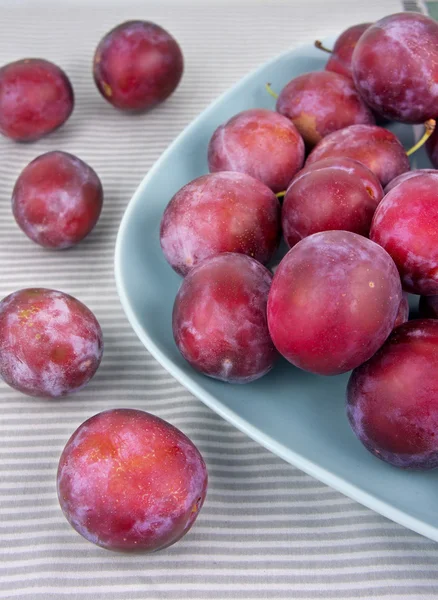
<point x="298" y="416"/>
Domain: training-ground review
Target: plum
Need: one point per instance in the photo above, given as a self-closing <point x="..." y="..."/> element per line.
<point x="130" y="481"/>
<point x="403" y="311"/>
<point x="395" y="67"/>
<point x="333" y="302"/>
<point x="260" y="143"/>
<point x="429" y="307"/>
<point x="333" y="193"/>
<point x="137" y="65"/>
<point x="57" y="200"/>
<point x="432" y="148"/>
<point x="375" y="147"/>
<point x="392" y="400"/>
<point x="219" y="318"/>
<point x="405" y="224"/>
<point x="36" y="97"/>
<point x="321" y="102"/>
<point x="220" y="212"/>
<point x="50" y="343"/>
<point x="340" y="59"/>
<point x="407" y="175"/>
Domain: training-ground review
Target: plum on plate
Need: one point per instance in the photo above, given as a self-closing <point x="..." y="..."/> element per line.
<point x="432" y="148"/>
<point x="377" y="148"/>
<point x="220" y="212"/>
<point x="137" y="65"/>
<point x="406" y="176"/>
<point x="333" y="193"/>
<point x="428" y="307"/>
<point x="395" y="67"/>
<point x="333" y="302"/>
<point x="392" y="400"/>
<point x="340" y="56"/>
<point x="219" y="318"/>
<point x="406" y="225"/>
<point x="36" y="97"/>
<point x="260" y="143"/>
<point x="321" y="102"/>
<point x="403" y="311"/>
<point x="57" y="200"/>
<point x="130" y="481"/>
<point x="50" y="343"/>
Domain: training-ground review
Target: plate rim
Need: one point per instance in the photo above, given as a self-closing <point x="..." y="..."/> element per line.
<point x="292" y="457"/>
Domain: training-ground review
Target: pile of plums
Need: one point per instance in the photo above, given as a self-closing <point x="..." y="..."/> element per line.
<point x="362" y="230"/>
<point x="127" y="480"/>
<point x="361" y="227"/>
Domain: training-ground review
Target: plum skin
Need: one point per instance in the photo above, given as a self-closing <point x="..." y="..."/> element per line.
<point x="220" y="212"/>
<point x="340" y="58"/>
<point x="45" y="99"/>
<point x="219" y="319"/>
<point x="403" y="311"/>
<point x="129" y="481"/>
<point x="377" y="148"/>
<point x="392" y="400"/>
<point x="321" y="102"/>
<point x="406" y="176"/>
<point x="50" y="343"/>
<point x="408" y="94"/>
<point x="428" y="307"/>
<point x="137" y="65"/>
<point x="405" y="225"/>
<point x="260" y="143"/>
<point x="57" y="200"/>
<point x="333" y="193"/>
<point x="432" y="148"/>
<point x="333" y="302"/>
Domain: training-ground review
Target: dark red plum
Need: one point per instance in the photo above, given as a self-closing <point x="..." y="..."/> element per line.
<point x="395" y="67"/>
<point x="340" y="58"/>
<point x="137" y="65"/>
<point x="432" y="148"/>
<point x="36" y="97"/>
<point x="57" y="200"/>
<point x="129" y="481"/>
<point x="50" y="343"/>
<point x="260" y="143"/>
<point x="221" y="212"/>
<point x="333" y="302"/>
<point x="219" y="319"/>
<point x="403" y="311"/>
<point x="334" y="193"/>
<point x="377" y="148"/>
<point x="321" y="102"/>
<point x="406" y="176"/>
<point x="406" y="225"/>
<point x="392" y="400"/>
<point x="429" y="307"/>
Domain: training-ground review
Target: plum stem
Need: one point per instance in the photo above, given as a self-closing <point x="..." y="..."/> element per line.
<point x="281" y="194"/>
<point x="320" y="46"/>
<point x="429" y="129"/>
<point x="271" y="91"/>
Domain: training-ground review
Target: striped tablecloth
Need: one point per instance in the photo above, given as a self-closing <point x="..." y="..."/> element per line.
<point x="267" y="530"/>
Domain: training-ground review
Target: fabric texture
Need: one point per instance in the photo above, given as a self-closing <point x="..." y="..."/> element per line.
<point x="267" y="530"/>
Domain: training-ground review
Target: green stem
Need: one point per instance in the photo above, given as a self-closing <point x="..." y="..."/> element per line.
<point x="429" y="129"/>
<point x="271" y="91"/>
